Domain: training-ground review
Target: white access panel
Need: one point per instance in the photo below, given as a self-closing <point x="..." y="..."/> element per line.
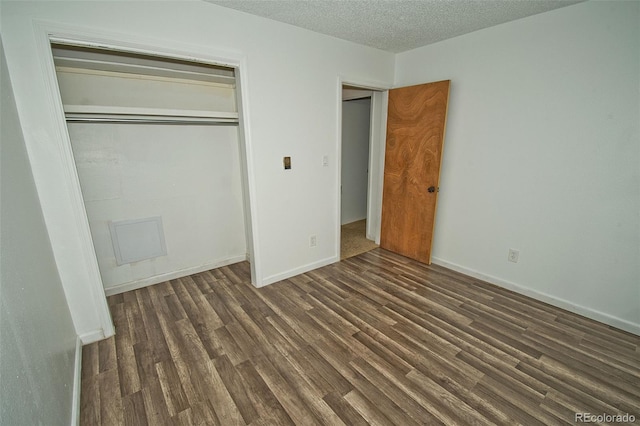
<point x="139" y="239"/>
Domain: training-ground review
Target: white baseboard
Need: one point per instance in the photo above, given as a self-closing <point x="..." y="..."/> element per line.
<point x="297" y="271"/>
<point x="92" y="336"/>
<point x="156" y="279"/>
<point x="544" y="297"/>
<point x="77" y="384"/>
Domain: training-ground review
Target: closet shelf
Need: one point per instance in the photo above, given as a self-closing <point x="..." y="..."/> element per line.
<point x="113" y="114"/>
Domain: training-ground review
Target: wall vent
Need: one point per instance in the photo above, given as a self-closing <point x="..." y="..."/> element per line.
<point x="136" y="240"/>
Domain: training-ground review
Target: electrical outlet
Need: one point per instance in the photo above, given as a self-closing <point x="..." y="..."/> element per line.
<point x="313" y="241"/>
<point x="513" y="255"/>
<point x="325" y="161"/>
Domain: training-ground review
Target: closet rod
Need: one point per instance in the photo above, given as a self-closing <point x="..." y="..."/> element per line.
<point x="152" y="121"/>
<point x="119" y="114"/>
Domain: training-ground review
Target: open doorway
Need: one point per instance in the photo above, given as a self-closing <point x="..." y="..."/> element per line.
<point x="356" y="233"/>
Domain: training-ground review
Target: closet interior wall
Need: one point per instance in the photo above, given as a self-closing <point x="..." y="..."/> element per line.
<point x="156" y="148"/>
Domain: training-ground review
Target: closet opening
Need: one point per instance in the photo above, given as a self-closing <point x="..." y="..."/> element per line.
<point x="160" y="161"/>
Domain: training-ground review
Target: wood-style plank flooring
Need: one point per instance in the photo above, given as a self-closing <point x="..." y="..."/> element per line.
<point x="375" y="339"/>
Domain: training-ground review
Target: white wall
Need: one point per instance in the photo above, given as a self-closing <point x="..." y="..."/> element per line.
<point x="356" y="119"/>
<point x="292" y="93"/>
<point x="38" y="341"/>
<point x="187" y="175"/>
<point x="542" y="155"/>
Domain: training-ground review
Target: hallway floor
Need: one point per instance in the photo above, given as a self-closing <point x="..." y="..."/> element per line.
<point x="353" y="239"/>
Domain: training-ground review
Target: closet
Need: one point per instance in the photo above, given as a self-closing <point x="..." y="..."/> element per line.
<point x="156" y="147"/>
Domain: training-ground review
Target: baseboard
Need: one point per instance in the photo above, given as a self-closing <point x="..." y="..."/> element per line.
<point x="156" y="279"/>
<point x="544" y="297"/>
<point x="92" y="336"/>
<point x="297" y="271"/>
<point x="77" y="384"/>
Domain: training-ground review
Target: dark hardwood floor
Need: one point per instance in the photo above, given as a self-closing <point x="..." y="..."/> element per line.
<point x="375" y="339"/>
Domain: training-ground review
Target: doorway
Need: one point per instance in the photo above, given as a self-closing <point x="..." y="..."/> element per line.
<point x="431" y="100"/>
<point x="359" y="203"/>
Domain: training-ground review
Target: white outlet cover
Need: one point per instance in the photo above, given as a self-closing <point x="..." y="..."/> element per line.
<point x="513" y="255"/>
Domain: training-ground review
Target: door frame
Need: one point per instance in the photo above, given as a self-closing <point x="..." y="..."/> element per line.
<point x="377" y="141"/>
<point x="49" y="33"/>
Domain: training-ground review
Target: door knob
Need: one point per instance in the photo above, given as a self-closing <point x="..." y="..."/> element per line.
<point x="431" y="189"/>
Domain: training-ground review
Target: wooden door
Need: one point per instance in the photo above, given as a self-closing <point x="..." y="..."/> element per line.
<point x="415" y="134"/>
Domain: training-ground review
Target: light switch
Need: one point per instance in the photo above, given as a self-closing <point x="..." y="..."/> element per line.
<point x="287" y="163"/>
<point x="325" y="161"/>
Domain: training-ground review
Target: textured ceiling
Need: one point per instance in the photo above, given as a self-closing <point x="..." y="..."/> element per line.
<point x="394" y="25"/>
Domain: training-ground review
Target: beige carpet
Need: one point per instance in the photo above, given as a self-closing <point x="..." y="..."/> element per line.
<point x="353" y="239"/>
